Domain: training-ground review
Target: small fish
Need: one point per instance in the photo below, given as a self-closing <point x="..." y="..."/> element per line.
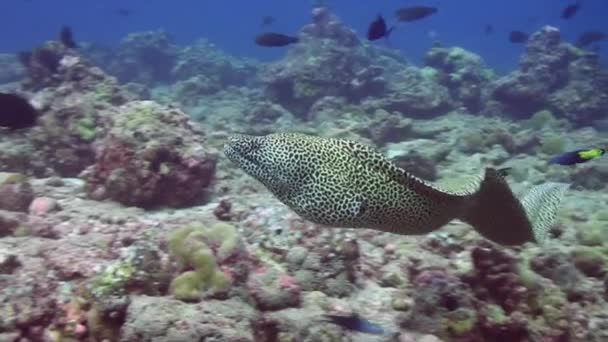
<point x="488" y="29"/>
<point x="377" y="29"/>
<point x="590" y="37"/>
<point x="268" y="20"/>
<point x="67" y="37"/>
<point x="571" y="10"/>
<point x="578" y="156"/>
<point x="123" y="12"/>
<point x="354" y="322"/>
<point x="271" y="39"/>
<point x="518" y="37"/>
<point x="16" y="112"/>
<point x="415" y="13"/>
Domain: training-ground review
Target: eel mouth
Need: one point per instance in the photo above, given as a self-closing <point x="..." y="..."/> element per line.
<point x="236" y="155"/>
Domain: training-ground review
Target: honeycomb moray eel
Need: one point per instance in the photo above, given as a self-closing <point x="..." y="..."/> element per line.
<point x="343" y="183"/>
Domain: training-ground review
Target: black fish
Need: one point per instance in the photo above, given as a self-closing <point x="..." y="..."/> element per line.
<point x="590" y="37"/>
<point x="16" y="112"/>
<point x="268" y="20"/>
<point x="518" y="37"/>
<point x="488" y="29"/>
<point x="67" y="38"/>
<point x="377" y="29"/>
<point x="415" y="13"/>
<point x="124" y="12"/>
<point x="354" y="322"/>
<point x="571" y="10"/>
<point x="271" y="39"/>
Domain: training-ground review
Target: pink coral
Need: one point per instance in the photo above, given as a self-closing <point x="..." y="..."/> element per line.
<point x="42" y="206"/>
<point x="289" y="282"/>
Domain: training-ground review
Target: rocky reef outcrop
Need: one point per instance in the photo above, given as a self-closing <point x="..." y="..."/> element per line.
<point x="150" y="157"/>
<point x="152" y="58"/>
<point x="11" y="69"/>
<point x="76" y="102"/>
<point x="330" y="60"/>
<point x="554" y="75"/>
<point x="144" y="57"/>
<point x="463" y="73"/>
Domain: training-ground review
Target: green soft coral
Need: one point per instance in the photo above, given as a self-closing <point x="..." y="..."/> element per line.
<point x="85" y="128"/>
<point x="463" y="323"/>
<point x="113" y="279"/>
<point x="141" y="115"/>
<point x="191" y="246"/>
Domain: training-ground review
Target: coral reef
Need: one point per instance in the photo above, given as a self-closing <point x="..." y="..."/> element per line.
<point x="144" y="57"/>
<point x="205" y="59"/>
<point x="329" y="61"/>
<point x="76" y="100"/>
<point x="151" y="157"/>
<point x="463" y="73"/>
<point x="119" y="221"/>
<point x="16" y="192"/>
<point x="163" y="318"/>
<point x="10" y="68"/>
<point x="273" y="290"/>
<point x="554" y="75"/>
<point x="415" y="93"/>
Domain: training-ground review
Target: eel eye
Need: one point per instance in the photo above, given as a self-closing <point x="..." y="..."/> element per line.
<point x="248" y="146"/>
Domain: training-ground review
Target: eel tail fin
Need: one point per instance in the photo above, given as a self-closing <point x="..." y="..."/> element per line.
<point x="498" y="215"/>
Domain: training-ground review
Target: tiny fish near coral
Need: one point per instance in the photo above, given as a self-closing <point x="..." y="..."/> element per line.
<point x="354" y="322"/>
<point x="343" y="183"/>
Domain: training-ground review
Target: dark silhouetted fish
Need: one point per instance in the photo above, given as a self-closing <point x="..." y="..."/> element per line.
<point x="571" y="10"/>
<point x="16" y="112"/>
<point x="123" y="12"/>
<point x="67" y="37"/>
<point x="377" y="29"/>
<point x="415" y="13"/>
<point x="268" y="20"/>
<point x="488" y="29"/>
<point x="590" y="37"/>
<point x="356" y="323"/>
<point x="271" y="39"/>
<point x="518" y="37"/>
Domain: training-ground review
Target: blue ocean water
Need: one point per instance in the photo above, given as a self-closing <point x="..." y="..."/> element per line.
<point x="232" y="24"/>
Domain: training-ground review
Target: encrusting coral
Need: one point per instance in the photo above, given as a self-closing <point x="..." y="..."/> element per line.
<point x="198" y="250"/>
